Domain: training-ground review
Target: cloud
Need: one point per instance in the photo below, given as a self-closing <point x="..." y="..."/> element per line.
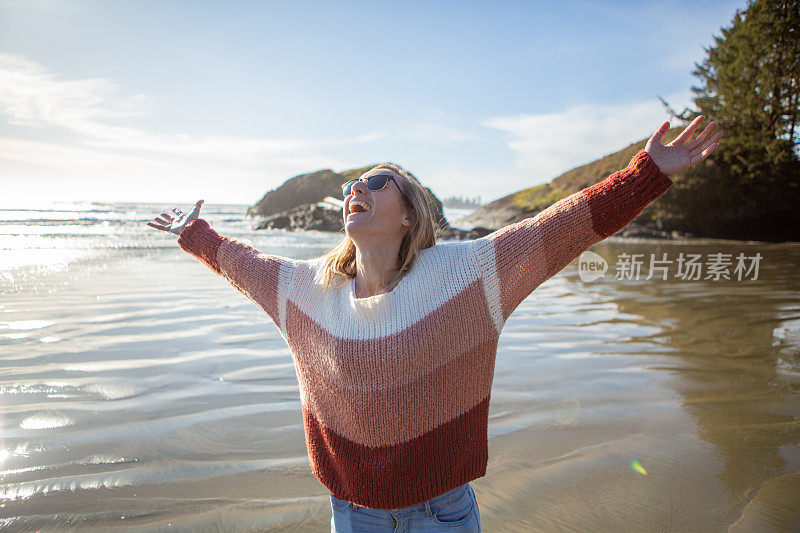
<point x="71" y="127"/>
<point x="549" y="144"/>
<point x="31" y="96"/>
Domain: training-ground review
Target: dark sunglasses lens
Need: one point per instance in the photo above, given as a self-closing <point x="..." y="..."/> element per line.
<point x="348" y="187"/>
<point x="376" y="183"/>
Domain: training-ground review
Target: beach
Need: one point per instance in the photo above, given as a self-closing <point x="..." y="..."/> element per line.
<point x="140" y="390"/>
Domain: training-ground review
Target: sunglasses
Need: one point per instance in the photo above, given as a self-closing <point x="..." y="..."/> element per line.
<point x="374" y="183"/>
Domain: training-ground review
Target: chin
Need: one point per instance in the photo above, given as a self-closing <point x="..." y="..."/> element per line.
<point x="363" y="228"/>
<point x="354" y="228"/>
<point x="358" y="222"/>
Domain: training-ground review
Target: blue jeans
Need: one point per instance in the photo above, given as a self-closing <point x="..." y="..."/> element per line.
<point x="455" y="510"/>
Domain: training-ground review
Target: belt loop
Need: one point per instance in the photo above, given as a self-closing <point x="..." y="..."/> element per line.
<point x="428" y="508"/>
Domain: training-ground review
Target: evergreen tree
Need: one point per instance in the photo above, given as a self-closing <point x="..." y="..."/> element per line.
<point x="750" y="84"/>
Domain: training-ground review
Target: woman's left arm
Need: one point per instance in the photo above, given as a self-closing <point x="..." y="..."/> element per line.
<point x="519" y="257"/>
<point x="263" y="278"/>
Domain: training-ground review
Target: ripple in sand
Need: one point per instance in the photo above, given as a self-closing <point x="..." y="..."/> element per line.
<point x="113" y="391"/>
<point x="46" y="421"/>
<point x="27" y="324"/>
<point x="103" y="460"/>
<point x="143" y="474"/>
<point x="14" y="336"/>
<point x="775" y="507"/>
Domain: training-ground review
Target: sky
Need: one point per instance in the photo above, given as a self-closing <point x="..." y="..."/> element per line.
<point x="173" y="101"/>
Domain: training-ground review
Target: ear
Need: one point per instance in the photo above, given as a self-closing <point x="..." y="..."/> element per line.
<point x="407" y="218"/>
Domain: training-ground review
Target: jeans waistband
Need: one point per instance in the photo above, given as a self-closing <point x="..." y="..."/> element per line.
<point x="437" y="501"/>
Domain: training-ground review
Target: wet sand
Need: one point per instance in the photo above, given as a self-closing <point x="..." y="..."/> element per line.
<point x="142" y="391"/>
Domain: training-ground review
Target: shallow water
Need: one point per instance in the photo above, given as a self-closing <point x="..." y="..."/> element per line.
<point x="139" y="390"/>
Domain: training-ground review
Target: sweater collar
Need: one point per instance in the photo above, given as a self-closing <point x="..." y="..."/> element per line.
<point x="372" y="308"/>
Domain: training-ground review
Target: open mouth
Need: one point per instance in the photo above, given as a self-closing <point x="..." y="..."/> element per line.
<point x="358" y="207"/>
<point x="357" y="214"/>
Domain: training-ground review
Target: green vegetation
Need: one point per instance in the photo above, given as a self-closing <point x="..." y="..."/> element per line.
<point x="537" y="198"/>
<point x="750" y="84"/>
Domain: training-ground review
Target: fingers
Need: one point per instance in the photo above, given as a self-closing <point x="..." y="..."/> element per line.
<point x="702" y="155"/>
<point x="687" y="133"/>
<point x="701" y="139"/>
<point x="165" y="220"/>
<point x="660" y="132"/>
<point x="699" y="148"/>
<point x="162" y="228"/>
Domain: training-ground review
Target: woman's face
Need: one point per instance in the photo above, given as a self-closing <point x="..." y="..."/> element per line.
<point x="387" y="214"/>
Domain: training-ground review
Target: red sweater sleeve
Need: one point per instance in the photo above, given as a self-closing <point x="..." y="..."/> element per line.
<point x="519" y="257"/>
<point x="263" y="278"/>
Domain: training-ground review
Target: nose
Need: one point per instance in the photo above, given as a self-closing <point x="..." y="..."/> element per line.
<point x="361" y="185"/>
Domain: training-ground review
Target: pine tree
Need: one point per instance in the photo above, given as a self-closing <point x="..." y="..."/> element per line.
<point x="750" y="84"/>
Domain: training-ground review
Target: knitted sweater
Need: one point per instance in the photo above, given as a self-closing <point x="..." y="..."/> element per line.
<point x="395" y="387"/>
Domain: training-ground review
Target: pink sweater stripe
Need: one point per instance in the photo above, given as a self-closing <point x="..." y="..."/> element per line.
<point x="340" y="397"/>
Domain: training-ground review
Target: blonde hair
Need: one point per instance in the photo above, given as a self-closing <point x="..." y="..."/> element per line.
<point x="339" y="264"/>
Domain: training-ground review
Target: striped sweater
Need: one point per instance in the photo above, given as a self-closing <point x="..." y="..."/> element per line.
<point x="395" y="387"/>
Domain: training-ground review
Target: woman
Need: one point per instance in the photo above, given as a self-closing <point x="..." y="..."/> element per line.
<point x="394" y="338"/>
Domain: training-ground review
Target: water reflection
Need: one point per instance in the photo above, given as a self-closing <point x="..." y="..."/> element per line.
<point x="738" y="344"/>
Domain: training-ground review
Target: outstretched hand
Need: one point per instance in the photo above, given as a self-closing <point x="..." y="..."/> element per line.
<point x="680" y="154"/>
<point x="175" y="225"/>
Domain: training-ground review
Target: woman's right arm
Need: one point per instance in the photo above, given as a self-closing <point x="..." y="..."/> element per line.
<point x="517" y="258"/>
<point x="263" y="278"/>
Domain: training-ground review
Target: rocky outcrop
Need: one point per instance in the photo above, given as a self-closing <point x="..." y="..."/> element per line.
<point x="462" y="235"/>
<point x="302" y="190"/>
<point x="320" y="216"/>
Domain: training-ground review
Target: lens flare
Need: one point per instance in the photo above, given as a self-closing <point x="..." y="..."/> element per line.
<point x="636" y="467"/>
<point x="568" y="410"/>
